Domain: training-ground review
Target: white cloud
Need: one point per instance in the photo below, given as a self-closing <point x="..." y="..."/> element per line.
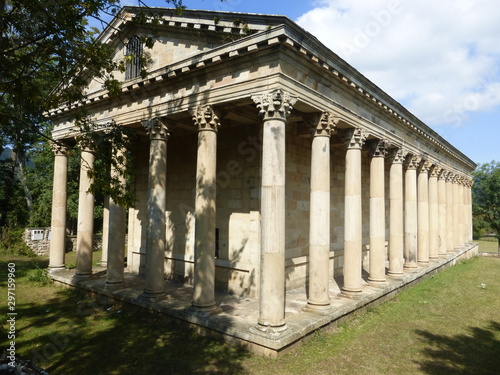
<point x="441" y="59"/>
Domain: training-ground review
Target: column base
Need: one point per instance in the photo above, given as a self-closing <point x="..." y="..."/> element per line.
<point x="411" y="268"/>
<point x="149" y="296"/>
<point x="268" y="328"/>
<point x="317" y="308"/>
<point x="114" y="285"/>
<point x="352" y="294"/>
<point x="82" y="276"/>
<point x="103" y="264"/>
<point x="377" y="283"/>
<point x="53" y="269"/>
<point x="434" y="259"/>
<point x="423" y="263"/>
<point x="395" y="275"/>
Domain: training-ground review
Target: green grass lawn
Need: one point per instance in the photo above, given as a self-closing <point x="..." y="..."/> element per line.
<point x="448" y="324"/>
<point x="488" y="244"/>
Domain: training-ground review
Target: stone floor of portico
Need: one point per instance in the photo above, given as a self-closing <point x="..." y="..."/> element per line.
<point x="239" y="315"/>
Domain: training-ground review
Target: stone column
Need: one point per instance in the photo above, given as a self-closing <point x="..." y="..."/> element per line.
<point x="274" y="106"/>
<point x="434" y="213"/>
<point x="155" y="232"/>
<point x="105" y="232"/>
<point x="462" y="211"/>
<point x="319" y="224"/>
<point x="377" y="213"/>
<point x="85" y="229"/>
<point x="396" y="222"/>
<point x="457" y="240"/>
<point x="59" y="203"/>
<point x="423" y="213"/>
<point x="208" y="124"/>
<point x="116" y="238"/>
<point x="469" y="209"/>
<point x="411" y="227"/>
<point x="443" y="223"/>
<point x="354" y="140"/>
<point x="450" y="220"/>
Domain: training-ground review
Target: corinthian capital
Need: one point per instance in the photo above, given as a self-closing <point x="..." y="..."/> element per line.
<point x="414" y="161"/>
<point x="435" y="170"/>
<point x="379" y="148"/>
<point x="156" y="128"/>
<point x="443" y="174"/>
<point x="450" y="177"/>
<point x="398" y="155"/>
<point x="425" y="166"/>
<point x="59" y="149"/>
<point x="206" y="118"/>
<point x="276" y="104"/>
<point x="355" y="138"/>
<point x="322" y="123"/>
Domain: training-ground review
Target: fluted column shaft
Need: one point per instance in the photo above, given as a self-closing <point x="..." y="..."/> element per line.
<point x="59" y="203"/>
<point x="116" y="236"/>
<point x="377" y="213"/>
<point x="462" y="211"/>
<point x="274" y="107"/>
<point x="208" y="124"/>
<point x="319" y="222"/>
<point x="443" y="222"/>
<point x="411" y="224"/>
<point x="469" y="210"/>
<point x="457" y="240"/>
<point x="423" y="214"/>
<point x="450" y="222"/>
<point x="396" y="222"/>
<point x="156" y="221"/>
<point x="434" y="214"/>
<point x="355" y="138"/>
<point x="85" y="228"/>
<point x="105" y="232"/>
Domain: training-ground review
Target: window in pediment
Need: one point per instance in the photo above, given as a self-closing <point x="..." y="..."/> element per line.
<point x="133" y="58"/>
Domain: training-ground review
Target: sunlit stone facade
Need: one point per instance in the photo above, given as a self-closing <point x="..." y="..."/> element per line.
<point x="264" y="163"/>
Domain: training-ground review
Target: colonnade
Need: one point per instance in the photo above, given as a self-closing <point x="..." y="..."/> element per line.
<point x="430" y="211"/>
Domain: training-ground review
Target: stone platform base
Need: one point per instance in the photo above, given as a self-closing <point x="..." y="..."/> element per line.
<point x="237" y="316"/>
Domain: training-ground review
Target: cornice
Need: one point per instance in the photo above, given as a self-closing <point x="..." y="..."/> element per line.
<point x="284" y="34"/>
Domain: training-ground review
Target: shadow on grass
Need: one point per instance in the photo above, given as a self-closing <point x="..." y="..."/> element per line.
<point x="73" y="333"/>
<point x="475" y="353"/>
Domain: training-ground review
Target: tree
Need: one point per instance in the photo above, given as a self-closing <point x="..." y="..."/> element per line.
<point x="486" y="197"/>
<point x="48" y="54"/>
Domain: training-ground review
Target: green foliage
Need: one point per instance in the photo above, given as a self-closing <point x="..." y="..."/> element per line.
<point x="48" y="55"/>
<point x="11" y="242"/>
<point x="486" y="199"/>
<point x="114" y="168"/>
<point x="38" y="275"/>
<point x="13" y="205"/>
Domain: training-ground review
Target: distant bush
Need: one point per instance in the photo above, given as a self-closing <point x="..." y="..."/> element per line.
<point x="39" y="275"/>
<point x="11" y="242"/>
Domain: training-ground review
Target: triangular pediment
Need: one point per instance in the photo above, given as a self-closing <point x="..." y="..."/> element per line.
<point x="177" y="36"/>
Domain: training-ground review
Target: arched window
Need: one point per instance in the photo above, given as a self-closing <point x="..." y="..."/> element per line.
<point x="133" y="64"/>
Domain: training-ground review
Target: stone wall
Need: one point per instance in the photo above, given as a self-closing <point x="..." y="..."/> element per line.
<point x="238" y="207"/>
<point x="38" y="240"/>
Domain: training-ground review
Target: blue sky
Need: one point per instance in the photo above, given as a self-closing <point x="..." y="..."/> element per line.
<point x="441" y="60"/>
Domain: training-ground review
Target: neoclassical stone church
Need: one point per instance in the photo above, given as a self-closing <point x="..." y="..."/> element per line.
<point x="266" y="166"/>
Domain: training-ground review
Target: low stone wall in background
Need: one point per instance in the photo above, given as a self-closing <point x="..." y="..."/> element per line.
<point x="38" y="240"/>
